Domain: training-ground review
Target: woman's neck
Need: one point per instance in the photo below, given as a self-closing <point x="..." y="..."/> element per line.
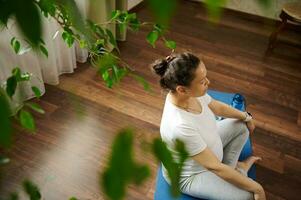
<point x="182" y="101"/>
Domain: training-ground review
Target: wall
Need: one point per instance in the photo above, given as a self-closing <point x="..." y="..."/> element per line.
<point x="253" y="7"/>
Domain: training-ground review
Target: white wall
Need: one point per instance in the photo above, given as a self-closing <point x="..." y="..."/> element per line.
<point x="253" y="7"/>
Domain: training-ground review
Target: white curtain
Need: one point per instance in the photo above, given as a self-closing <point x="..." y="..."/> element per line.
<point x="61" y="59"/>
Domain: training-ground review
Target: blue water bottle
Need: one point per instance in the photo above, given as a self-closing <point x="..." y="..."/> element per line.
<point x="238" y="101"/>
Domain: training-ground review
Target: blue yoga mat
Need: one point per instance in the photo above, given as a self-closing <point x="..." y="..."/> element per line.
<point x="162" y="191"/>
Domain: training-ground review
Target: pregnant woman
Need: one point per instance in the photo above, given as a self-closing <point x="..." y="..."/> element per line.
<point x="212" y="170"/>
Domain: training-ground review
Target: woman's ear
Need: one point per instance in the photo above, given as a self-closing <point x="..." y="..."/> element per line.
<point x="181" y="90"/>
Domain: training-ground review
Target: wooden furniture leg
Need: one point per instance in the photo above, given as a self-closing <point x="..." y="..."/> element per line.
<point x="274" y="35"/>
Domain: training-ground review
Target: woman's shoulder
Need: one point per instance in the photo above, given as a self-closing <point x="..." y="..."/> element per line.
<point x="206" y="98"/>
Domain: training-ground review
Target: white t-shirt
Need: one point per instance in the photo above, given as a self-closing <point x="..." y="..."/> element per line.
<point x="197" y="131"/>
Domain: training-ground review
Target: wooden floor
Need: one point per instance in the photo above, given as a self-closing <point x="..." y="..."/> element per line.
<point x="82" y="116"/>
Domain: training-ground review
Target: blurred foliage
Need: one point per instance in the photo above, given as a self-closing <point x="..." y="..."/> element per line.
<point x="6" y="97"/>
<point x="122" y="169"/>
<point x="266" y="4"/>
<point x="163" y="10"/>
<point x="31" y="189"/>
<point x="214" y="9"/>
<point x="173" y="166"/>
<point x="4" y="160"/>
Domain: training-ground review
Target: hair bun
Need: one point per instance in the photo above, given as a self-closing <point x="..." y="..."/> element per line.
<point x="160" y="67"/>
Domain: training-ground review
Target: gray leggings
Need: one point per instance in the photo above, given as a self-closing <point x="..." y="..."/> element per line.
<point x="207" y="185"/>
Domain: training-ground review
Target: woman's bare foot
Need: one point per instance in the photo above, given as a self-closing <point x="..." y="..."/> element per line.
<point x="247" y="163"/>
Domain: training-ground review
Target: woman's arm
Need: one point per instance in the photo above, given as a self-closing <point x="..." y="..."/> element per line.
<point x="225" y="110"/>
<point x="207" y="159"/>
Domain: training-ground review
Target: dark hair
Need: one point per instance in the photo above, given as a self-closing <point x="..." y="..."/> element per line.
<point x="176" y="69"/>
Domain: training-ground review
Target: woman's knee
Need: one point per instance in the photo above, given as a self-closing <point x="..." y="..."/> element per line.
<point x="243" y="128"/>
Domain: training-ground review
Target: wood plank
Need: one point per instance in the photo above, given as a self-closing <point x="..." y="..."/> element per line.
<point x="271" y="159"/>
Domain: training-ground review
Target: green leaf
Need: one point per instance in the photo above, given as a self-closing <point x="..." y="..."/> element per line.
<point x="4" y="160"/>
<point x="131" y="16"/>
<point x="68" y="38"/>
<point x="116" y="73"/>
<point x="68" y="30"/>
<point x="152" y="37"/>
<point x="265" y="4"/>
<point x="11" y="85"/>
<point x="135" y="24"/>
<point x="112" y="39"/>
<point x="75" y="16"/>
<point x="65" y="35"/>
<point x="100" y="32"/>
<point x="106" y="61"/>
<point x="105" y="75"/>
<point x="122" y="73"/>
<point x="27" y="121"/>
<point x="109" y="83"/>
<point x="36" y="91"/>
<point x="32" y="190"/>
<point x="114" y="180"/>
<point x="47" y="7"/>
<point x="29" y="20"/>
<point x="12" y="41"/>
<point x="73" y="198"/>
<point x="96" y="29"/>
<point x="16" y="46"/>
<point x="6" y="10"/>
<point x="142" y="172"/>
<point x="215" y="9"/>
<point x="163" y="10"/>
<point x="24" y="77"/>
<point x="142" y="81"/>
<point x="70" y="41"/>
<point x="170" y="44"/>
<point x="5" y="123"/>
<point x="183" y="153"/>
<point x="110" y="72"/>
<point x="164" y="155"/>
<point x="44" y="50"/>
<point x="16" y="72"/>
<point x="36" y="107"/>
<point x="115" y="14"/>
<point x="83" y="44"/>
<point x="100" y="42"/>
<point x="42" y="41"/>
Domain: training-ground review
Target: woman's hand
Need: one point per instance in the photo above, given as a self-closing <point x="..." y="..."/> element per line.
<point x="251" y="126"/>
<point x="259" y="194"/>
